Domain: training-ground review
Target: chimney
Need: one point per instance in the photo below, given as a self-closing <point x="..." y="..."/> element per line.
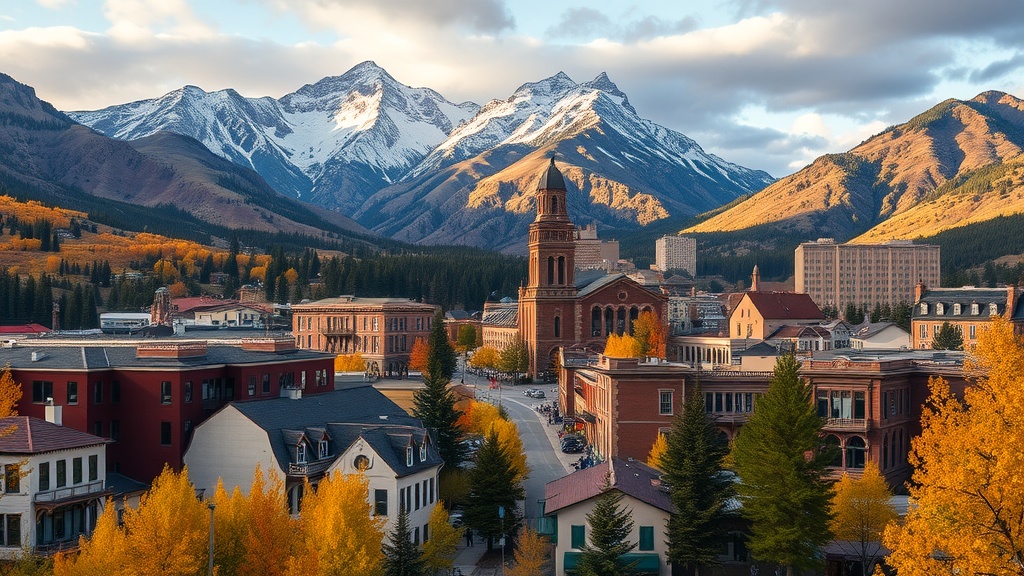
<point x="755" y="280"/>
<point x="54" y="414"/>
<point x="919" y="291"/>
<point x="1011" y="296"/>
<point x="291" y="392"/>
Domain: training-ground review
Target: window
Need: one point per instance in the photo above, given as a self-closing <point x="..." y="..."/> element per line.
<point x="558" y="327"/>
<point x="97" y="428"/>
<point x="72" y="392"/>
<point x="431" y="490"/>
<point x="62" y="473"/>
<point x="12" y="530"/>
<point x="423" y="452"/>
<point x="115" y="391"/>
<point x="993" y="309"/>
<point x="41" y="391"/>
<point x="97" y="392"/>
<point x="165" y="392"/>
<point x="300" y="453"/>
<point x="416" y="489"/>
<point x="252" y="385"/>
<point x="44" y="476"/>
<point x="416" y="536"/>
<point x="425" y="527"/>
<point x="578" y="532"/>
<point x="924" y="307"/>
<point x="76" y="470"/>
<point x="324" y="449"/>
<point x="12" y="478"/>
<point x="266" y="384"/>
<point x="972" y="331"/>
<point x="188" y="391"/>
<point x="646" y="538"/>
<point x="380" y="502"/>
<point x="408" y="455"/>
<point x="115" y="430"/>
<point x="940" y="308"/>
<point x="165" y="433"/>
<point x="665" y="402"/>
<point x="94" y="468"/>
<point x="956" y="309"/>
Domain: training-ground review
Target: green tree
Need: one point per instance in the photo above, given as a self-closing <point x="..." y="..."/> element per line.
<point x="515" y="358"/>
<point x="401" y="558"/>
<point x="901" y="316"/>
<point x="493" y="483"/>
<point x="610" y="528"/>
<point x="434" y="404"/>
<point x="467" y="337"/>
<point x="948" y="337"/>
<point x="699" y="487"/>
<point x="783" y="488"/>
<point x="441" y="361"/>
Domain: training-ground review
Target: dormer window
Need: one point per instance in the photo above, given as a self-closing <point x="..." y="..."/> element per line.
<point x="325" y="450"/>
<point x="423" y="452"/>
<point x="957" y="310"/>
<point x="993" y="309"/>
<point x="974" y="309"/>
<point x="924" y="307"/>
<point x="408" y="455"/>
<point x="940" y="308"/>
<point x="300" y="453"/>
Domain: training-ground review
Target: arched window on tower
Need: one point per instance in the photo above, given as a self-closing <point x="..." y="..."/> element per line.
<point x="554" y="204"/>
<point x="551" y="270"/>
<point x="561" y="269"/>
<point x="558" y="327"/>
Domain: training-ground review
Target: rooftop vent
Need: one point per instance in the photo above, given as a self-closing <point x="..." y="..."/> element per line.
<point x="38" y="355"/>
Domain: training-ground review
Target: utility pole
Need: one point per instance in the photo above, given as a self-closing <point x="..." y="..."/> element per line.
<point x="211" y="506"/>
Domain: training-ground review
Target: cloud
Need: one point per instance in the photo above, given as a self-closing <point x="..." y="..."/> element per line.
<point x="54" y="4"/>
<point x="134" y="20"/>
<point x="478" y="16"/>
<point x="998" y="69"/>
<point x="589" y="23"/>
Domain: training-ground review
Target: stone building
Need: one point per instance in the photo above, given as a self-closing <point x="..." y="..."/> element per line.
<point x="967" y="309"/>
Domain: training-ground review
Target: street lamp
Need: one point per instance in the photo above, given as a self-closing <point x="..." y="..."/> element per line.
<point x="211" y="506"/>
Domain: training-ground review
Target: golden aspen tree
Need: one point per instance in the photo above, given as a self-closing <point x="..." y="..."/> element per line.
<point x="512" y="442"/>
<point x="270" y="539"/>
<point x="10" y="393"/>
<point x="338" y="534"/>
<point x="860" y="512"/>
<point x="658" y="450"/>
<point x="967" y="491"/>
<point x="624" y="346"/>
<point x="439" y="549"/>
<point x="349" y="363"/>
<point x="231" y="520"/>
<point x="486" y="357"/>
<point x="531" y="554"/>
<point x="481" y="416"/>
<point x="102" y="553"/>
<point x="650" y="334"/>
<point x="168" y="533"/>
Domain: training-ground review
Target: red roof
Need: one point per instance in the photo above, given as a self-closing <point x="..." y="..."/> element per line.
<point x="180" y="305"/>
<point x="24" y="329"/>
<point x="785" y="306"/>
<point x="34" y="436"/>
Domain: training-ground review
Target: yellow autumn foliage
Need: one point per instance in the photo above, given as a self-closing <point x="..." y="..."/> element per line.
<point x="349" y="363"/>
<point x="624" y="346"/>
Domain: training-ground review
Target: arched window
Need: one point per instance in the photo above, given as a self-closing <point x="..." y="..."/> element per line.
<point x="551" y="270"/>
<point x="595" y="321"/>
<point x="558" y="327"/>
<point x="634" y="313"/>
<point x="855" y="449"/>
<point x="554" y="204"/>
<point x="620" y="324"/>
<point x="832" y="446"/>
<point x="561" y="269"/>
<point x="609" y="321"/>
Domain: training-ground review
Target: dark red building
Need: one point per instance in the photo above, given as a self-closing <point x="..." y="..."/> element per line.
<point x="148" y="397"/>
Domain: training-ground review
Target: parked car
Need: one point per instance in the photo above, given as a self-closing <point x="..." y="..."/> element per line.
<point x="573" y="444"/>
<point x="455" y="518"/>
<point x="535" y="393"/>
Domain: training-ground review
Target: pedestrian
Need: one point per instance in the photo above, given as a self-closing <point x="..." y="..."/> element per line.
<point x="469" y="537"/>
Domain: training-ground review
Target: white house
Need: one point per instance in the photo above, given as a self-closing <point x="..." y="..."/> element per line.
<point x="568" y="500"/>
<point x="54" y="485"/>
<point x="299" y="439"/>
<point x="879" y="335"/>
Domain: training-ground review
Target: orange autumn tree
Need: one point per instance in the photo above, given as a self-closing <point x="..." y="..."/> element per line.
<point x="418" y="355"/>
<point x="271" y="536"/>
<point x="337" y="533"/>
<point x="10" y="393"/>
<point x="531" y="554"/>
<point x="624" y="346"/>
<point x="649" y="331"/>
<point x="968" y="512"/>
<point x="349" y="363"/>
<point x="103" y="552"/>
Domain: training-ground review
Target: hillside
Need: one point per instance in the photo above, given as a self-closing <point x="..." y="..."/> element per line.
<point x="956" y="164"/>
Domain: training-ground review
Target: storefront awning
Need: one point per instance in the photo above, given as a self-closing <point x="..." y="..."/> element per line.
<point x="643" y="562"/>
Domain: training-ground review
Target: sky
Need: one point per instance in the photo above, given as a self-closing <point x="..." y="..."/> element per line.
<point x="767" y="84"/>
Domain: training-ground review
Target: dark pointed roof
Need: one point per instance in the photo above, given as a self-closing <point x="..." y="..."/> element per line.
<point x="551" y="178"/>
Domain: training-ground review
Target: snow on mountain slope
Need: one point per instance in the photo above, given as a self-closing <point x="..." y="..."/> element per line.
<point x="334" y="142"/>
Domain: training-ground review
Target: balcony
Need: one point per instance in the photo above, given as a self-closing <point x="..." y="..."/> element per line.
<point x="51" y="548"/>
<point x="309" y="468"/>
<point x="54" y="498"/>
<point x="847" y="424"/>
<point x="735" y="418"/>
<point x="339" y="331"/>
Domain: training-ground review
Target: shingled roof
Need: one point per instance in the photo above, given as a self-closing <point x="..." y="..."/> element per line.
<point x="630" y="477"/>
<point x="785" y="305"/>
<point x="34" y="436"/>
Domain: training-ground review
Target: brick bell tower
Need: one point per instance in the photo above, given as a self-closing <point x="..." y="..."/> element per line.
<point x="547" y="304"/>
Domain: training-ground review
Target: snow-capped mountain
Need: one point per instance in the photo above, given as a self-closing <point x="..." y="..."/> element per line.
<point x="333" y="143"/>
<point x="477" y="186"/>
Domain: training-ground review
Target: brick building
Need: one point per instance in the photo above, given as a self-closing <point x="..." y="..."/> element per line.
<point x="559" y="307"/>
<point x="382" y="330"/>
<point x="968" y="309"/>
<point x="146" y="398"/>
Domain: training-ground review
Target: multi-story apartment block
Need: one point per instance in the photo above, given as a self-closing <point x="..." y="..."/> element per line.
<point x="382" y="330"/>
<point x="967" y="309"/>
<point x="864" y="274"/>
<point x="676" y="253"/>
<point x="592" y="253"/>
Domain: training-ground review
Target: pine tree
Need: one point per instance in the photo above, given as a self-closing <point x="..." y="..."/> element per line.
<point x="610" y="528"/>
<point x="493" y="484"/>
<point x="948" y="337"/>
<point x="441" y="362"/>
<point x="401" y="558"/>
<point x="783" y="488"/>
<point x="434" y="404"/>
<point x="698" y="485"/>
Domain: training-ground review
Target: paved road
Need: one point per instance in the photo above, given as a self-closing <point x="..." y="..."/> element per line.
<point x="545" y="461"/>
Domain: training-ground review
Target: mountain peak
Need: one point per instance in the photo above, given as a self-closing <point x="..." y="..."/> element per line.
<point x="604" y="84"/>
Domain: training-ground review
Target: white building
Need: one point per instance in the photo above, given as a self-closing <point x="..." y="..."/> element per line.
<point x="309" y="438"/>
<point x="879" y="335"/>
<point x="676" y="253"/>
<point x="54" y="484"/>
<point x="568" y="500"/>
<point x="124" y="322"/>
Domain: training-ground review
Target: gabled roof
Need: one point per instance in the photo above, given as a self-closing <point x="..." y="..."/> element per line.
<point x="785" y="306"/>
<point x="762" y="348"/>
<point x="630" y="477"/>
<point x="869" y="329"/>
<point x="965" y="297"/>
<point x="34" y="436"/>
<point x="798" y="331"/>
<point x="24" y="329"/>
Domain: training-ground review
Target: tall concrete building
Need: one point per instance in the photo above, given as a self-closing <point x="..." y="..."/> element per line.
<point x="593" y="253"/>
<point x="864" y="274"/>
<point x="677" y="253"/>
